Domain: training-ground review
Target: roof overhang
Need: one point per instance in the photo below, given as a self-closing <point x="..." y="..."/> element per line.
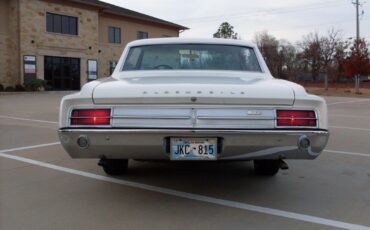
<point x="107" y="8"/>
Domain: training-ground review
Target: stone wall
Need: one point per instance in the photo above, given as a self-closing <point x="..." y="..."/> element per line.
<point x="23" y="32"/>
<point x="9" y="43"/>
<point x="35" y="40"/>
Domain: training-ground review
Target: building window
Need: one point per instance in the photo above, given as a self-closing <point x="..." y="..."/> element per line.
<point x="114" y="34"/>
<point x="92" y="69"/>
<point x="62" y="24"/>
<point x="142" y="35"/>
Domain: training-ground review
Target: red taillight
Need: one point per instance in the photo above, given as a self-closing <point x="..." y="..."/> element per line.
<point x="296" y="118"/>
<point x="90" y="117"/>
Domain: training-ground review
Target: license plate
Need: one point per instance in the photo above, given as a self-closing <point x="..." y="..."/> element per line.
<point x="193" y="148"/>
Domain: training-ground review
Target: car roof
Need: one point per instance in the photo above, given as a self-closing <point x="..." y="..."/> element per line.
<point x="176" y="40"/>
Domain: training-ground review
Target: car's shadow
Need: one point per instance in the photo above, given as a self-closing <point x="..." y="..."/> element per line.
<point x="226" y="179"/>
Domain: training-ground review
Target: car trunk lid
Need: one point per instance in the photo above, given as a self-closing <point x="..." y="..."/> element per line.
<point x="178" y="89"/>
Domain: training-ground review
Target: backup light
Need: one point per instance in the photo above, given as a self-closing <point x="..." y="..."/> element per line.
<point x="304" y="118"/>
<point x="83" y="141"/>
<point x="90" y="117"/>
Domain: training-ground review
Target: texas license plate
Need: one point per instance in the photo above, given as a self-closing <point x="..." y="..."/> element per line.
<point x="193" y="148"/>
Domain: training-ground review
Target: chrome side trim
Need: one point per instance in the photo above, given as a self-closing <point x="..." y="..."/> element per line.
<point x="245" y="131"/>
<point x="151" y="117"/>
<point x="233" y="118"/>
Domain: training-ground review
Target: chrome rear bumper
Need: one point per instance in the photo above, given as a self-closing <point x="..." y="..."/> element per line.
<point x="153" y="143"/>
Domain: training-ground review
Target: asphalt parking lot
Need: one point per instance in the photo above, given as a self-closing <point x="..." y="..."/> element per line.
<point x="41" y="187"/>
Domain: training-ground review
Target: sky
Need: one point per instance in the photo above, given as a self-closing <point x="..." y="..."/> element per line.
<point x="285" y="19"/>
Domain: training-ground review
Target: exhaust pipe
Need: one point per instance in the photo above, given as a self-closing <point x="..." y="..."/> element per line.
<point x="283" y="165"/>
<point x="304" y="142"/>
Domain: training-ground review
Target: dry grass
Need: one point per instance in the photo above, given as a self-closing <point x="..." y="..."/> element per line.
<point x="340" y="92"/>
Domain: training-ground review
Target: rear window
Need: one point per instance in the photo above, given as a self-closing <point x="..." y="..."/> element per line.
<point x="191" y="57"/>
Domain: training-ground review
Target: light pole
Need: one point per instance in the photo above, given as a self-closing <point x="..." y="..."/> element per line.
<point x="357" y="76"/>
<point x="357" y="21"/>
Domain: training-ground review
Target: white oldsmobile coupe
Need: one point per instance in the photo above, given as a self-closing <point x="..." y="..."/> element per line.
<point x="193" y="99"/>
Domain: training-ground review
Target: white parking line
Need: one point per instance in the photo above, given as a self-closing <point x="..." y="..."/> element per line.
<point x="348" y="153"/>
<point x="353" y="116"/>
<point x="344" y="127"/>
<point x="345" y="102"/>
<point x="185" y="195"/>
<point x="29" y="147"/>
<point x="27" y="119"/>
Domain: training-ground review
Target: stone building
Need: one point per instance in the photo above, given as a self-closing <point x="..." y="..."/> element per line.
<point x="68" y="42"/>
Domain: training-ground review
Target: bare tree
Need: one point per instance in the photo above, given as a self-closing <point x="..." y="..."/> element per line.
<point x="337" y="66"/>
<point x="280" y="55"/>
<point x="357" y="64"/>
<point x="288" y="60"/>
<point x="314" y="54"/>
<point x="318" y="53"/>
<point x="269" y="45"/>
<point x="328" y="48"/>
<point x="310" y="54"/>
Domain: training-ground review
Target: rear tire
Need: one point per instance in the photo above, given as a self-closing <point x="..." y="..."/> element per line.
<point x="114" y="167"/>
<point x="266" y="167"/>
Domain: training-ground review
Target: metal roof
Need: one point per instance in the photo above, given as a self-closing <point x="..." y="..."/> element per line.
<point x="113" y="9"/>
